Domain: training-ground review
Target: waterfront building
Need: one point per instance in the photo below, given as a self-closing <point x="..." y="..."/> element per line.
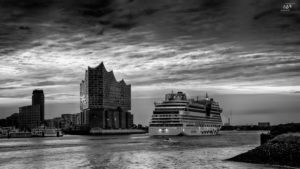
<point x="38" y="98"/>
<point x="68" y="120"/>
<point x="78" y="119"/>
<point x="29" y="117"/>
<point x="264" y="124"/>
<point x="55" y="122"/>
<point x="71" y="118"/>
<point x="33" y="115"/>
<point x="10" y="121"/>
<point x="104" y="102"/>
<point x="129" y="120"/>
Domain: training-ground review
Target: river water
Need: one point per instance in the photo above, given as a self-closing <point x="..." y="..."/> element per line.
<point x="131" y="151"/>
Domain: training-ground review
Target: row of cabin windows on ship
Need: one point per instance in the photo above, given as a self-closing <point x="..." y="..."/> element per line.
<point x="165" y="115"/>
<point x="204" y="125"/>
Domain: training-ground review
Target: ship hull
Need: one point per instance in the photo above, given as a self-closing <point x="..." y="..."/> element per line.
<point x="187" y="131"/>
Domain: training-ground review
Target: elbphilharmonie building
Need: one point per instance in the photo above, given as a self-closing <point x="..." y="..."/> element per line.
<point x="105" y="102"/>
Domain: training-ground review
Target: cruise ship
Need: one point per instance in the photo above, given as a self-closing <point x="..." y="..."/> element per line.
<point x="178" y="115"/>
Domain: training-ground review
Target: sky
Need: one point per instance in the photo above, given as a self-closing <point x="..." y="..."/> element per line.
<point x="245" y="54"/>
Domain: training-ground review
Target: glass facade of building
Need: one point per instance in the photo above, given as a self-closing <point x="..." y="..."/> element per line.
<point x="38" y="98"/>
<point x="29" y="117"/>
<point x="105" y="102"/>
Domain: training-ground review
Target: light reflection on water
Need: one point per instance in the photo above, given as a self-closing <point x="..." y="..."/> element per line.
<point x="134" y="151"/>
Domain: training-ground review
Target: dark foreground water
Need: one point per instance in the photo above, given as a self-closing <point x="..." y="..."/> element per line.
<point x="133" y="151"/>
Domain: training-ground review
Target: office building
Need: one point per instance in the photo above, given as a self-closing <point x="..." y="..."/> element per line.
<point x="39" y="99"/>
<point x="33" y="116"/>
<point x="29" y="117"/>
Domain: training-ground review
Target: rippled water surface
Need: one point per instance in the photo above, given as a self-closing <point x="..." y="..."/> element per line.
<point x="132" y="151"/>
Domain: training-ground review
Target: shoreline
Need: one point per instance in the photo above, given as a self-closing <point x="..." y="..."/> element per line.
<point x="283" y="150"/>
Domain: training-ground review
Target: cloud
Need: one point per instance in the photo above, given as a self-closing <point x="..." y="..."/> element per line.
<point x="60" y="96"/>
<point x="8" y="80"/>
<point x="43" y="83"/>
<point x="52" y="83"/>
<point x="5" y="88"/>
<point x="204" y="45"/>
<point x="14" y="95"/>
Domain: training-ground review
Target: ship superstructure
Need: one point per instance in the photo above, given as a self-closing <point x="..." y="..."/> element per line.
<point x="178" y="115"/>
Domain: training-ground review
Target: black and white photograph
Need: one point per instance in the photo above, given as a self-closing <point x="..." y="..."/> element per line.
<point x="149" y="84"/>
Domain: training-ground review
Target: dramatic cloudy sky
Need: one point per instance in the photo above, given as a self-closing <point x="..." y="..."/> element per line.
<point x="245" y="54"/>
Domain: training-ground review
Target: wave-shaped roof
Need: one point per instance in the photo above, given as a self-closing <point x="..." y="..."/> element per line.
<point x="101" y="66"/>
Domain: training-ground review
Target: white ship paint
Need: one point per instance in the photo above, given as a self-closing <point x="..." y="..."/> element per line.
<point x="179" y="116"/>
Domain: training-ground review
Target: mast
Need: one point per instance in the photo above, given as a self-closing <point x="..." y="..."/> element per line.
<point x="206" y="96"/>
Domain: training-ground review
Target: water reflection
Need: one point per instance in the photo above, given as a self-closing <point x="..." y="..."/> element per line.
<point x="135" y="151"/>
